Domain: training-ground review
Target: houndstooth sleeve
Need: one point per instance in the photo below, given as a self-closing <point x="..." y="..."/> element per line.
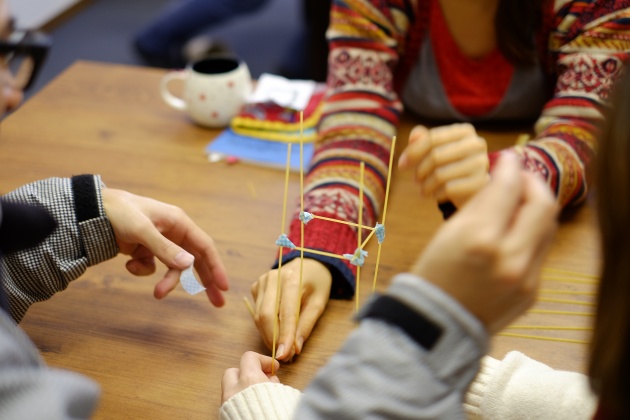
<point x="83" y="237"/>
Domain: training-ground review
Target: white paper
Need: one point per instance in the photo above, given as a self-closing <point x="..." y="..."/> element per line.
<point x="189" y="282"/>
<point x="288" y="93"/>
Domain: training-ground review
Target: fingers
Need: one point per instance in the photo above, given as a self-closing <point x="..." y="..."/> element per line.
<point x="524" y="247"/>
<point x="253" y="369"/>
<point x="282" y="314"/>
<point x="535" y="223"/>
<point x="208" y="263"/>
<point x="459" y="191"/>
<point x="168" y="283"/>
<point x="230" y="377"/>
<point x="311" y="312"/>
<point x="455" y="151"/>
<point x="450" y="162"/>
<point x="418" y="133"/>
<point x="253" y="363"/>
<point x="264" y="314"/>
<point x="496" y="204"/>
<point x="423" y="141"/>
<point x="254" y="290"/>
<point x="496" y="243"/>
<point x="215" y="295"/>
<point x="288" y="314"/>
<point x="299" y="306"/>
<point x="166" y="251"/>
<point x="142" y="262"/>
<point x="191" y="237"/>
<point x="443" y="177"/>
<point x="141" y="266"/>
<point x="147" y="228"/>
<point x="229" y="384"/>
<point x="418" y="145"/>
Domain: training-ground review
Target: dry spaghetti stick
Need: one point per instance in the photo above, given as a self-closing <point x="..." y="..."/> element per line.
<point x="522" y="139"/>
<point x="389" y="177"/>
<point x="359" y="230"/>
<point x="315" y="251"/>
<point x="299" y="302"/>
<point x="249" y="306"/>
<point x="343" y="222"/>
<point x="284" y="214"/>
<point x="554" y="312"/>
<point x="541" y="337"/>
<point x="252" y="190"/>
<point x="569" y="273"/>
<point x="569" y="280"/>
<point x="565" y="301"/>
<point x="566" y="292"/>
<point x="548" y="327"/>
<point x="378" y="259"/>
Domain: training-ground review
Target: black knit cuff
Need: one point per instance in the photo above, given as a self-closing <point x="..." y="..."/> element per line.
<point x="342" y="286"/>
<point x="85" y="198"/>
<point x="418" y="327"/>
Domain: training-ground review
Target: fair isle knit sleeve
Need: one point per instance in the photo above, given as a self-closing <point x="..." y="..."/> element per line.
<point x="83" y="237"/>
<point x="359" y="119"/>
<point x="588" y="46"/>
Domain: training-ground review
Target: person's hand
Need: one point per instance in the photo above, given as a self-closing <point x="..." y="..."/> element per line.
<point x="293" y="329"/>
<point x="146" y="228"/>
<point x="253" y="369"/>
<point x="488" y="255"/>
<point x="450" y="162"/>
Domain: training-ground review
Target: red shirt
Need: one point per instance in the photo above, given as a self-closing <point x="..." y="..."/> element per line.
<point x="473" y="86"/>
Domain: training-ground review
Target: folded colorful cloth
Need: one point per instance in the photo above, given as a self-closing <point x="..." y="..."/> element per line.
<point x="270" y="121"/>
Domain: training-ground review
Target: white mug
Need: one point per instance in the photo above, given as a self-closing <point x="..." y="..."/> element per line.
<point x="215" y="89"/>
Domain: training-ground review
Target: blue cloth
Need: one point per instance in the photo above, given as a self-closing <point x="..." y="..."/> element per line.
<point x="306" y="217"/>
<point x="358" y="258"/>
<point x="380" y="232"/>
<point x="283" y="240"/>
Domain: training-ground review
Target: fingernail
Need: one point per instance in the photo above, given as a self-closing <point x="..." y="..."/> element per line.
<point x="184" y="259"/>
<point x="298" y="345"/>
<point x="402" y="161"/>
<point x="280" y="351"/>
<point x="132" y="267"/>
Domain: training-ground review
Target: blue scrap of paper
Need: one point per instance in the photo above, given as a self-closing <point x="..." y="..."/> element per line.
<point x="259" y="151"/>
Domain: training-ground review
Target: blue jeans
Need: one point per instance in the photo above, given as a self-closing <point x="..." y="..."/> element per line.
<point x="163" y="38"/>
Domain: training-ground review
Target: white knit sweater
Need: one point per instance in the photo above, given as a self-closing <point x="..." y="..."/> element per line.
<point x="516" y="387"/>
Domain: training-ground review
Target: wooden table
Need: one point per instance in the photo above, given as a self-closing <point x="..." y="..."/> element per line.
<point x="164" y="359"/>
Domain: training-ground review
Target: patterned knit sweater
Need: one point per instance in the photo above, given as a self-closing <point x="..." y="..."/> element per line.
<point x="374" y="44"/>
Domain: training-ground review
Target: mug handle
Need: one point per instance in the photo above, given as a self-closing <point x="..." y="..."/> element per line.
<point x="169" y="98"/>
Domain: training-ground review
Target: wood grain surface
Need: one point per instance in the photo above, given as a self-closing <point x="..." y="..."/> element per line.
<point x="164" y="359"/>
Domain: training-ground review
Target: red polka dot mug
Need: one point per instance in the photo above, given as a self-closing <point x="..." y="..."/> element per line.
<point x="214" y="89"/>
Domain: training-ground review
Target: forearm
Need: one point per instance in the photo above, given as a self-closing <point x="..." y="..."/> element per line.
<point x="83" y="237"/>
<point x="588" y="52"/>
<point x="399" y="372"/>
<point x="359" y="118"/>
